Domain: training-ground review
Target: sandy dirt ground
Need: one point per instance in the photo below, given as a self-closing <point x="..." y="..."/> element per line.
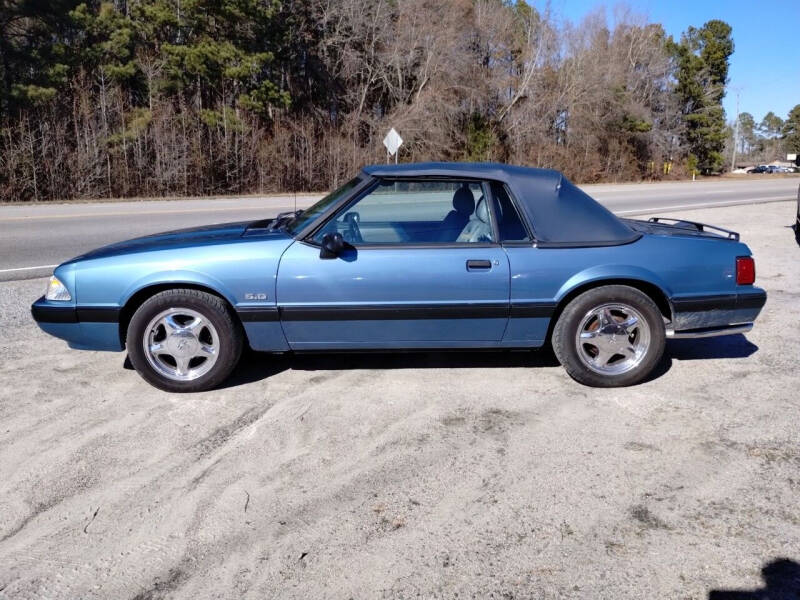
<point x="466" y="475"/>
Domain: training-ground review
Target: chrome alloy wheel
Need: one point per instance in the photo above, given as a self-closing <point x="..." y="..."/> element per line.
<point x="181" y="344"/>
<point x="612" y="339"/>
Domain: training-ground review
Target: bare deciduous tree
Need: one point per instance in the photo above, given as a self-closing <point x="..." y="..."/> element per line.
<point x="304" y="109"/>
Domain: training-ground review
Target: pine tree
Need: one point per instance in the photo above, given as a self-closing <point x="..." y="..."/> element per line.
<point x="224" y="51"/>
<point x="791" y="131"/>
<point x="34" y="60"/>
<point x="702" y="70"/>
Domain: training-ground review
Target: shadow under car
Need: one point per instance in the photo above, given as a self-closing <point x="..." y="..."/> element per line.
<point x="256" y="366"/>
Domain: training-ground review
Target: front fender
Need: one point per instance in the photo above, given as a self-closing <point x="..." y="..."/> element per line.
<point x="242" y="273"/>
<point x="178" y="278"/>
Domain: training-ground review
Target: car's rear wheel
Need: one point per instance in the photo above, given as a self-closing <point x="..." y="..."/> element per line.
<point x="184" y="340"/>
<point x="610" y="336"/>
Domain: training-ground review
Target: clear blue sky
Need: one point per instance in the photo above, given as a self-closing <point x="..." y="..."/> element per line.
<point x="765" y="65"/>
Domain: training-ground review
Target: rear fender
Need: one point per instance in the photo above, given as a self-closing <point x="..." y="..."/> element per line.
<point x="612" y="274"/>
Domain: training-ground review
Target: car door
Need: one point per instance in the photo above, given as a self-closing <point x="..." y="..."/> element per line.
<point x="420" y="268"/>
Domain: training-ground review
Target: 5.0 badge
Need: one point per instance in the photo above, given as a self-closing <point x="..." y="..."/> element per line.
<point x="253" y="296"/>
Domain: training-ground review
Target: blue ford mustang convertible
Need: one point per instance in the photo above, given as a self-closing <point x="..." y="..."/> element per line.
<point x="415" y="256"/>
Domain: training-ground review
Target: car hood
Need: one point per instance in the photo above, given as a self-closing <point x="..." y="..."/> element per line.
<point x="184" y="238"/>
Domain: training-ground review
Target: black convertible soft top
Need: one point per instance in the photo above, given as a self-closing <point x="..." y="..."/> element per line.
<point x="559" y="213"/>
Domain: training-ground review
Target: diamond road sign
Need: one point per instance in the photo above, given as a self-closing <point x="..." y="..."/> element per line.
<point x="392" y="141"/>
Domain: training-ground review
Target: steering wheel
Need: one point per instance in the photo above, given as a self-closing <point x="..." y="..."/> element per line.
<point x="353" y="231"/>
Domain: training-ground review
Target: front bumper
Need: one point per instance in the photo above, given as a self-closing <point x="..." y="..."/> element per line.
<point x="83" y="328"/>
<point x="709" y="316"/>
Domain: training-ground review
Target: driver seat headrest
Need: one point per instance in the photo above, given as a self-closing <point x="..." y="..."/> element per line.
<point x="464" y="201"/>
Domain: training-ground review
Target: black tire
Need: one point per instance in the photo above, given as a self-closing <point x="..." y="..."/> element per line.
<point x="566" y="330"/>
<point x="215" y="310"/>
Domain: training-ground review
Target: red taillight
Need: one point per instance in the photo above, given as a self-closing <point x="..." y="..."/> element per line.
<point x="745" y="270"/>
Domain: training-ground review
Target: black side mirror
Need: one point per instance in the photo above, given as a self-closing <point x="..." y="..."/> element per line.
<point x="332" y="245"/>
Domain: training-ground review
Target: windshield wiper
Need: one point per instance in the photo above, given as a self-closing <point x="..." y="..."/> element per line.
<point x="283" y="219"/>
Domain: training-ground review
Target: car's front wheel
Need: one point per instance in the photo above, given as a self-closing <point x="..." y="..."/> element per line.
<point x="610" y="336"/>
<point x="184" y="340"/>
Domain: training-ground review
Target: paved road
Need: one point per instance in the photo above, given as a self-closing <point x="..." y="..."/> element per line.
<point x="634" y="199"/>
<point x="397" y="475"/>
<point x="33" y="238"/>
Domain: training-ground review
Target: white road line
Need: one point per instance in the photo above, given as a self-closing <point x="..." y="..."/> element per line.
<point x="696" y="193"/>
<point x="648" y="209"/>
<point x="27" y="268"/>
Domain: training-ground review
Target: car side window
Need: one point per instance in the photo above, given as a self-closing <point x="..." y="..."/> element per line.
<point x="509" y="223"/>
<point x="416" y="212"/>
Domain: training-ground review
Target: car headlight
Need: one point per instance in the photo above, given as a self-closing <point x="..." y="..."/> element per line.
<point x="57" y="291"/>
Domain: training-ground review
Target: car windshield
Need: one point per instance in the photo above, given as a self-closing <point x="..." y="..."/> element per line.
<point x="301" y="218"/>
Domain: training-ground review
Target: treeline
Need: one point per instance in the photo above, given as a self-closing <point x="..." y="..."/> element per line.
<point x="179" y="97"/>
<point x="763" y="141"/>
